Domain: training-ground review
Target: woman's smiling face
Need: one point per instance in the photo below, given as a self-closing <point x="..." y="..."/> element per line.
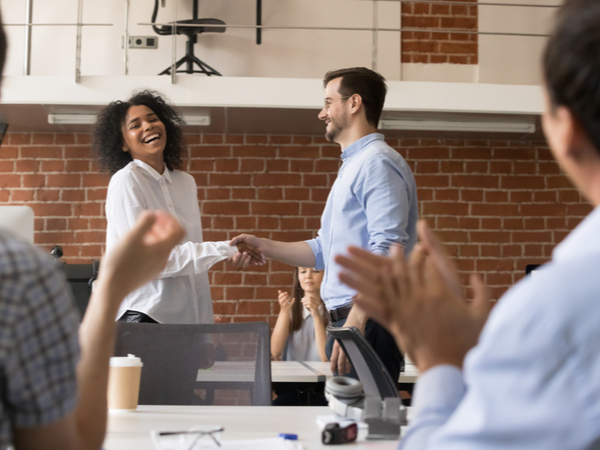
<point x="144" y="135"/>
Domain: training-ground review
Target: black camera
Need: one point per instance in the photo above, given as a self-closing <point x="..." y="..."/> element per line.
<point x="333" y="434"/>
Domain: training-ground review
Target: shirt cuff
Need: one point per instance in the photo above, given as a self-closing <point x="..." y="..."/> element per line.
<point x="226" y="249"/>
<point x="315" y="246"/>
<point x="438" y="389"/>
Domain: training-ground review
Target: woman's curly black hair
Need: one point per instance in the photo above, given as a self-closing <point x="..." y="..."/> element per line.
<point x="107" y="137"/>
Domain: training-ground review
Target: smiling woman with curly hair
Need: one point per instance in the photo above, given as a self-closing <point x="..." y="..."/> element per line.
<point x="140" y="143"/>
<point x="107" y="140"/>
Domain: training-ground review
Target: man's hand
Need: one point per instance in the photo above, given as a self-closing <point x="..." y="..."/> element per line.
<point x="339" y="361"/>
<point x="419" y="302"/>
<point x="141" y="254"/>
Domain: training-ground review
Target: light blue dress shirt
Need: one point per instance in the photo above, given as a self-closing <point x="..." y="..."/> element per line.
<point x="372" y="204"/>
<point x="533" y="380"/>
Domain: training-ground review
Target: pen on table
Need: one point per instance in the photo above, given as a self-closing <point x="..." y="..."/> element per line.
<point x="289" y="436"/>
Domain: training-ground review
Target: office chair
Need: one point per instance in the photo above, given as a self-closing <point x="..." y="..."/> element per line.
<point x="192" y="33"/>
<point x="371" y="371"/>
<point x="80" y="278"/>
<point x="208" y="364"/>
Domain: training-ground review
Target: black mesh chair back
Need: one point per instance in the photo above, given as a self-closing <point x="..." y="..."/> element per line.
<point x="79" y="277"/>
<point x="371" y="371"/>
<point x="191" y="28"/>
<point x="216" y="364"/>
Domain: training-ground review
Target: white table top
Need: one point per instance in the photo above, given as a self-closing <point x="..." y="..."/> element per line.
<point x="243" y="371"/>
<point x="410" y="374"/>
<point x="131" y="430"/>
<point x="283" y="372"/>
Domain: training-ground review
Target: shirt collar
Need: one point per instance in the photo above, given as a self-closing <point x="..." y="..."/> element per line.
<point x="358" y="146"/>
<point x="582" y="240"/>
<point x="148" y="168"/>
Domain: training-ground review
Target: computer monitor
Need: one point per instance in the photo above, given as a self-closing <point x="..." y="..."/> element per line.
<point x="18" y="220"/>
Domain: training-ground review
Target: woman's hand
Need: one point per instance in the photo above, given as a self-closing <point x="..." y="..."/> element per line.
<point x="285" y="302"/>
<point x="312" y="304"/>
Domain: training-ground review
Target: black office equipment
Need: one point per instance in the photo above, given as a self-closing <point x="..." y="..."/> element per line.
<point x="369" y="368"/>
<point x="79" y="277"/>
<point x="193" y="27"/>
<point x="382" y="407"/>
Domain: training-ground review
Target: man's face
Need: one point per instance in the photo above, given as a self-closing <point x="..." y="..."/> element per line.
<point x="334" y="111"/>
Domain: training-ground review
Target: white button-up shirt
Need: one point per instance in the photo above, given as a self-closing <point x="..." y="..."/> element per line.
<point x="372" y="204"/>
<point x="181" y="294"/>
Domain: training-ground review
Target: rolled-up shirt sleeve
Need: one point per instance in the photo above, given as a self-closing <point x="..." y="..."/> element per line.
<point x="384" y="196"/>
<point x="317" y="247"/>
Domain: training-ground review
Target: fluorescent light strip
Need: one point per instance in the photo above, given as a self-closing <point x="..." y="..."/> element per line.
<point x="445" y="125"/>
<point x="90" y="119"/>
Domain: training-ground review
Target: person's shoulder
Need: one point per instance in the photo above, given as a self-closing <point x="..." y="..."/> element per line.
<point x="23" y="267"/>
<point x="379" y="149"/>
<point x="182" y="177"/>
<point x="379" y="155"/>
<point x="563" y="293"/>
<point x="18" y="256"/>
<point x="125" y="175"/>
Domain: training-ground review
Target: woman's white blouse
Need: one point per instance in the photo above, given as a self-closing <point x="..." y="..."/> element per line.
<point x="181" y="294"/>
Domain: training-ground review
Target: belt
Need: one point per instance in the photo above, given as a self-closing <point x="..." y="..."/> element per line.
<point x="339" y="313"/>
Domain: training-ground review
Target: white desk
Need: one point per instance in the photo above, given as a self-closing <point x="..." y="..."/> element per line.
<point x="131" y="430"/>
<point x="243" y="371"/>
<point x="410" y="374"/>
<point x="283" y="372"/>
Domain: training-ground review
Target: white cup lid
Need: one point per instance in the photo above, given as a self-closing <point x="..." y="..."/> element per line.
<point x="126" y="361"/>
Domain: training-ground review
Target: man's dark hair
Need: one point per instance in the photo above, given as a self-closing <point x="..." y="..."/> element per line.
<point x="364" y="82"/>
<point x="107" y="137"/>
<point x="3" y="46"/>
<point x="572" y="64"/>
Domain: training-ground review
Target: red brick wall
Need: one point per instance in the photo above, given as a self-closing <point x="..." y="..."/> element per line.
<point x="429" y="46"/>
<point x="498" y="204"/>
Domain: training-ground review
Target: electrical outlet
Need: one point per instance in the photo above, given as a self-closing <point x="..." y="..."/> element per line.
<point x="143" y="42"/>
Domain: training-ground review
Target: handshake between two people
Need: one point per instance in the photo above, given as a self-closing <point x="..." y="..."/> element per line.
<point x="247" y="254"/>
<point x="419" y="300"/>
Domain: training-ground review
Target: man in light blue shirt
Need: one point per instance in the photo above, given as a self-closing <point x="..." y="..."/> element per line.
<point x="531" y="379"/>
<point x="372" y="205"/>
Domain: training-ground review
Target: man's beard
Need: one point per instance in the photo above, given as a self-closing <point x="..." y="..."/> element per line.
<point x="337" y="127"/>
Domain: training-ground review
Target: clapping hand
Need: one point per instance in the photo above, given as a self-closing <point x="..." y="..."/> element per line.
<point x="420" y="301"/>
<point x="285" y="302"/>
<point x="311" y="303"/>
<point x="141" y="254"/>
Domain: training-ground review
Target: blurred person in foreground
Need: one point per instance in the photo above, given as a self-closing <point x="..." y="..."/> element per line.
<point x="54" y="372"/>
<point x="529" y="377"/>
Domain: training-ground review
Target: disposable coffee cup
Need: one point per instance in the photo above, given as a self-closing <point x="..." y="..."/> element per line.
<point x="124" y="382"/>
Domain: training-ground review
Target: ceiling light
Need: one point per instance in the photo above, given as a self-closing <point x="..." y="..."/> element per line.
<point x="447" y="125"/>
<point x="90" y="119"/>
<point x="79" y="119"/>
<point x="197" y="120"/>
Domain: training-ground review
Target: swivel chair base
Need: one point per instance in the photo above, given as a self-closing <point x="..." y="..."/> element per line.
<point x="190" y="60"/>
